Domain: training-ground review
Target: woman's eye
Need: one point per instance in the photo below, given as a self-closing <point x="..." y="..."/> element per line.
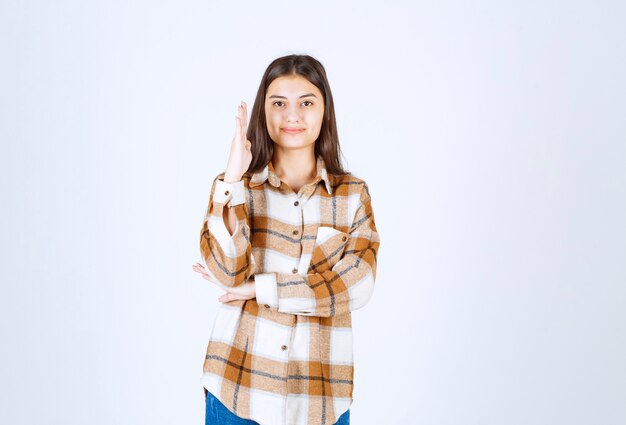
<point x="279" y="103"/>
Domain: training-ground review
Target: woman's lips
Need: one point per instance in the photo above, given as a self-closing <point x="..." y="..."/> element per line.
<point x="293" y="130"/>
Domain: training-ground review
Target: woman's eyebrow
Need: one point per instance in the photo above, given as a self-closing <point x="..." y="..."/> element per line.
<point x="283" y="97"/>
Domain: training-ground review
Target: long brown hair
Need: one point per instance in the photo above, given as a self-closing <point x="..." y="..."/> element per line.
<point x="327" y="143"/>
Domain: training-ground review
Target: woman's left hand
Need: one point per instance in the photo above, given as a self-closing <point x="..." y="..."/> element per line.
<point x="245" y="291"/>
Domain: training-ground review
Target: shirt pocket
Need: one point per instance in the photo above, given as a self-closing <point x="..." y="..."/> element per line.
<point x="329" y="246"/>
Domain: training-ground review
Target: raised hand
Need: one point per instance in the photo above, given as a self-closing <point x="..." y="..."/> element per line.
<point x="240" y="150"/>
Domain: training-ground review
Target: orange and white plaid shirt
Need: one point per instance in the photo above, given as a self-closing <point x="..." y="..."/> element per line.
<point x="286" y="356"/>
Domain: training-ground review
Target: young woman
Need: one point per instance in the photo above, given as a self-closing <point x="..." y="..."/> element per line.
<point x="290" y="236"/>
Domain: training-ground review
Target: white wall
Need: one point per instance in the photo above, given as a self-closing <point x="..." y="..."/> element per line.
<point x="491" y="135"/>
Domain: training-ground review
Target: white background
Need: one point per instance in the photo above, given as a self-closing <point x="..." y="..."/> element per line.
<point x="491" y="135"/>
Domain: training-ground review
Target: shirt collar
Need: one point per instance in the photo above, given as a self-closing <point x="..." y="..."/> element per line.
<point x="269" y="174"/>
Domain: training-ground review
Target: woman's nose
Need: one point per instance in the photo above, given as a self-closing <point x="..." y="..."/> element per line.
<point x="292" y="114"/>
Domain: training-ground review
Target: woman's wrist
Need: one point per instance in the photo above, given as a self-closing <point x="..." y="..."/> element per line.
<point x="231" y="179"/>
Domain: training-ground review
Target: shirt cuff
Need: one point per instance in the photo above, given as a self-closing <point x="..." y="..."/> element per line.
<point x="229" y="193"/>
<point x="266" y="289"/>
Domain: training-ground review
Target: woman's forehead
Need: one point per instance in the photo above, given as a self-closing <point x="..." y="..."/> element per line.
<point x="292" y="85"/>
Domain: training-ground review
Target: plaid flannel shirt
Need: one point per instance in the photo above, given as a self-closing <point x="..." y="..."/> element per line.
<point x="286" y="356"/>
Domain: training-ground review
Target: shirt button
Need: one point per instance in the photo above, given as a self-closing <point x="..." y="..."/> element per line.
<point x="226" y="193"/>
<point x="296" y="203"/>
<point x="344" y="238"/>
<point x="295" y="232"/>
<point x="283" y="347"/>
<point x="294" y="271"/>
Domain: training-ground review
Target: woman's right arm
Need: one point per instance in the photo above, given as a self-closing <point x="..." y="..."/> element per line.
<point x="225" y="235"/>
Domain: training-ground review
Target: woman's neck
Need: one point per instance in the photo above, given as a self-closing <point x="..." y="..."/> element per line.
<point x="295" y="167"/>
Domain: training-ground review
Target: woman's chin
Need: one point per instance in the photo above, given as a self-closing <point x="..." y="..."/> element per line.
<point x="293" y="143"/>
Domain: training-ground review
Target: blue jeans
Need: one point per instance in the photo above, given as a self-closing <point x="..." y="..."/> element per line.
<point x="218" y="414"/>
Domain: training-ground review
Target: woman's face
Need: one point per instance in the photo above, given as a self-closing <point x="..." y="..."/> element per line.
<point x="294" y="110"/>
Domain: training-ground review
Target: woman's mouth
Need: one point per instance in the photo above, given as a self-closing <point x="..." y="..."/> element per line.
<point x="292" y="130"/>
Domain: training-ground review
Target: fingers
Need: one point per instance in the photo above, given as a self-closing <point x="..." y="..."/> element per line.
<point x="199" y="268"/>
<point x="244" y="119"/>
<point x="243" y="292"/>
<point x="241" y="120"/>
<point x="237" y="293"/>
<point x="229" y="296"/>
<point x="238" y="124"/>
